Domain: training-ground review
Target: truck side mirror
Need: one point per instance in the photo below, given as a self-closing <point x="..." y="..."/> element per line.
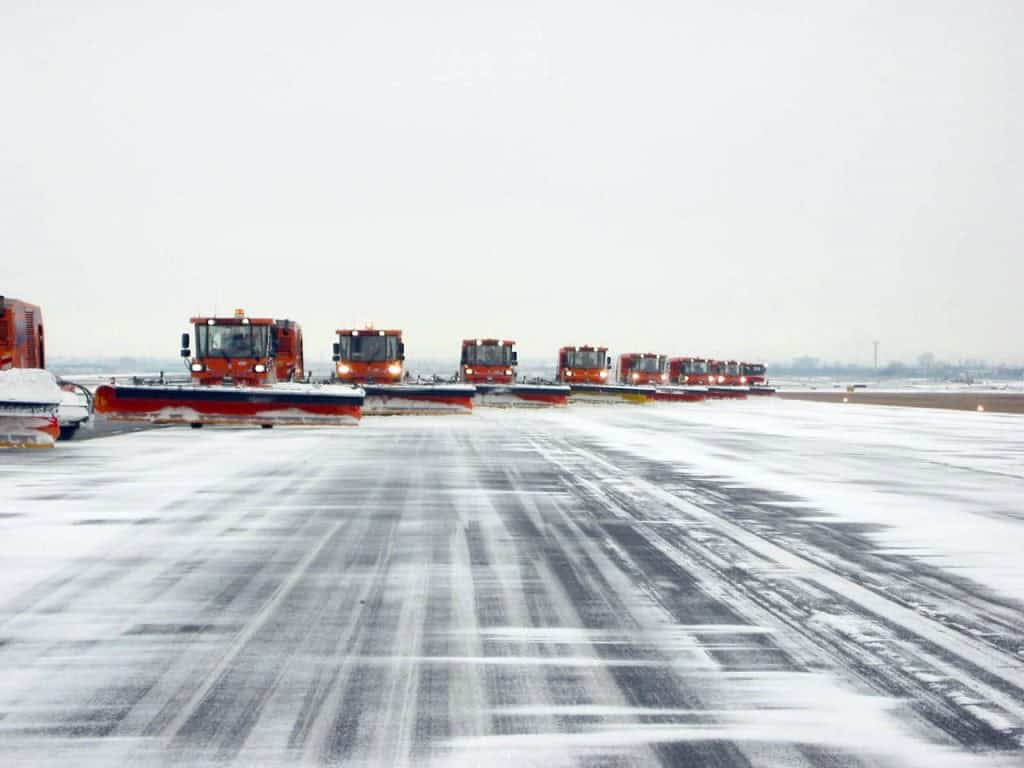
<point x="401" y="350"/>
<point x="185" y="351"/>
<point x="337" y="352"/>
<point x="515" y="358"/>
<point x="609" y="365"/>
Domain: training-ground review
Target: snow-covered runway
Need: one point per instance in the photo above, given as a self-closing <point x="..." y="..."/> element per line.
<point x="760" y="583"/>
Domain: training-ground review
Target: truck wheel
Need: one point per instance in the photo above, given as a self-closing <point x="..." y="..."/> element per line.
<point x="67" y="432"/>
<point x="196" y="425"/>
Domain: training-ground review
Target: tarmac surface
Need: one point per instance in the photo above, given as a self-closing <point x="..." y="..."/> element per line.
<point x="507" y="588"/>
<point x="995" y="402"/>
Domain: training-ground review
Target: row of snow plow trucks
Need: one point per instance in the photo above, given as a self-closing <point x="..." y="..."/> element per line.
<point x="250" y="371"/>
<point x="36" y="408"/>
<point x="649" y="376"/>
<point x="245" y="371"/>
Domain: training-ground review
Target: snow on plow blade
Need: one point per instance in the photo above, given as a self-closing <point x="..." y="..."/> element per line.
<point x="521" y="395"/>
<point x="610" y="393"/>
<point x="29" y="400"/>
<point x="397" y="399"/>
<point x="681" y="394"/>
<point x="28" y="425"/>
<point x="278" y="404"/>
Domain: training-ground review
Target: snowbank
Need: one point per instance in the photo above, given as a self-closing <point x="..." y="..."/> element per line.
<point x="29" y="386"/>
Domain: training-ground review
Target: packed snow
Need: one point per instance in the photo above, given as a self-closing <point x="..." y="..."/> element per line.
<point x="29" y="385"/>
<point x="759" y="583"/>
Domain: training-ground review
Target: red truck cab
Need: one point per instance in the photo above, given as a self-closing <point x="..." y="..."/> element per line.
<point x="642" y="369"/>
<point x="488" y="361"/>
<point x="688" y="371"/>
<point x="252" y="351"/>
<point x="583" y="365"/>
<point x="369" y="356"/>
<point x="753" y="373"/>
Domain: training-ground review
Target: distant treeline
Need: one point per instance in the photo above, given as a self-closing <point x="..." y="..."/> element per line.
<point x="926" y="367"/>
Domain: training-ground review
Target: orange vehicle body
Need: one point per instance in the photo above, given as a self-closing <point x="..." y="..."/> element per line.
<point x="582" y="365"/>
<point x="688" y="371"/>
<point x="488" y="361"/>
<point x="21" y="335"/>
<point x="642" y="368"/>
<point x="369" y="356"/>
<point x="251" y="351"/>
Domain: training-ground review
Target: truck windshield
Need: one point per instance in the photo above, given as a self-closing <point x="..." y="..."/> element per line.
<point x="695" y="366"/>
<point x="732" y="369"/>
<point x="368" y="349"/>
<point x="753" y="370"/>
<point x="232" y="340"/>
<point x="591" y="358"/>
<point x="647" y="364"/>
<point x="487" y="354"/>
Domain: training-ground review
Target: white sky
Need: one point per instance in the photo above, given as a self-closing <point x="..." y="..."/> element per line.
<point x="711" y="178"/>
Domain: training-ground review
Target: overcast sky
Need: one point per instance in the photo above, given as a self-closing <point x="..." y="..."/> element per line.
<point x="711" y="178"/>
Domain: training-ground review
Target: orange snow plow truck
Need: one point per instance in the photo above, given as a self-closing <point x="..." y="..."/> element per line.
<point x="375" y="360"/>
<point x="29" y="399"/>
<point x="36" y="407"/>
<point x="246" y="370"/>
<point x="490" y="366"/>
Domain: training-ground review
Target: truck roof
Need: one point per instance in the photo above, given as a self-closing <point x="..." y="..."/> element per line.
<point x="488" y="342"/>
<point x="369" y="332"/>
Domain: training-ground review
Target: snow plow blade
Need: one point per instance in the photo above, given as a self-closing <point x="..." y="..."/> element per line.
<point x="28" y="425"/>
<point x="761" y="389"/>
<point x="610" y="393"/>
<point x="278" y="404"/>
<point x="681" y="394"/>
<point x="399" y="399"/>
<point x="521" y="395"/>
<point x="726" y="392"/>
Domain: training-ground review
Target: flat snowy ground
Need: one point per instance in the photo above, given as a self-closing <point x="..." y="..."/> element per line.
<point x="760" y="583"/>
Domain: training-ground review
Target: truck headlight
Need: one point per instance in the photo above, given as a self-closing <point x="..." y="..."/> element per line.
<point x="197" y="367"/>
<point x="394" y="369"/>
<point x="343" y="369"/>
<point x="743" y="379"/>
<point x="508" y="371"/>
<point x="568" y="374"/>
<point x="469" y="371"/>
<point x="260" y="368"/>
<point x="636" y="377"/>
<point x="603" y="374"/>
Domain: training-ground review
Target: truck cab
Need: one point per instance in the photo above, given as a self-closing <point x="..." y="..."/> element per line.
<point x="688" y="371"/>
<point x="583" y="365"/>
<point x="753" y="373"/>
<point x="251" y="351"/>
<point x="21" y="335"/>
<point x="488" y="361"/>
<point x="369" y="356"/>
<point x="642" y="368"/>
